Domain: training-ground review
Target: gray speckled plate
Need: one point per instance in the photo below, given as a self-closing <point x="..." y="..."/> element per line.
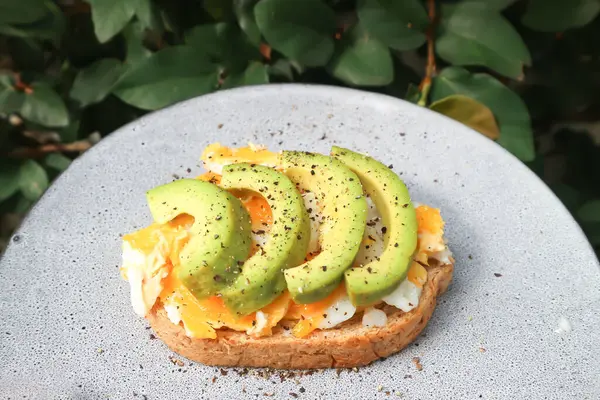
<point x="68" y="330"/>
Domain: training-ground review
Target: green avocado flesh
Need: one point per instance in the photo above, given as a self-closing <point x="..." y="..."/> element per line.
<point x="344" y="208"/>
<point x="220" y="236"/>
<point x="369" y="283"/>
<point x="261" y="279"/>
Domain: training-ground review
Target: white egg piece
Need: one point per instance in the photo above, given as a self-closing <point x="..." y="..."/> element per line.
<point x="316" y="218"/>
<point x="374" y="317"/>
<point x="405" y="297"/>
<point x="341" y="310"/>
<point x="373" y="244"/>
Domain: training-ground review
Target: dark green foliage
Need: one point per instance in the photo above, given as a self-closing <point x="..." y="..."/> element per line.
<point x="71" y="74"/>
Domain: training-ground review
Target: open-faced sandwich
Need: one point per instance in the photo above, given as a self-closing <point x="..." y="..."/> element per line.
<point x="287" y="260"/>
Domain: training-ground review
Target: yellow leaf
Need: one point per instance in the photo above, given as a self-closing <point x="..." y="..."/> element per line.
<point x="469" y="112"/>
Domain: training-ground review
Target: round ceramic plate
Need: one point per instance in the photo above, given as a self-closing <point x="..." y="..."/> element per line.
<point x="520" y="319"/>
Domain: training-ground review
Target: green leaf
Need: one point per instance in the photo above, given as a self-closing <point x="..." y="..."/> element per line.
<point x="255" y="74"/>
<point x="497" y="5"/>
<point x="149" y="15"/>
<point x="95" y="82"/>
<point x="398" y="24"/>
<point x="413" y="94"/>
<point x="33" y="180"/>
<point x="471" y="34"/>
<point x="111" y="16"/>
<point x="11" y="100"/>
<point x="218" y="9"/>
<point x="469" y="112"/>
<point x="244" y="11"/>
<point x="282" y="68"/>
<point x="21" y="11"/>
<point x="590" y="211"/>
<point x="22" y="205"/>
<point x="9" y="179"/>
<point x="559" y="15"/>
<point x="223" y="42"/>
<point x="134" y="36"/>
<point x="44" y="106"/>
<point x="403" y="77"/>
<point x="50" y="27"/>
<point x="510" y="111"/>
<point x="57" y="161"/>
<point x="170" y="75"/>
<point x="70" y="133"/>
<point x="300" y="29"/>
<point x="362" y="60"/>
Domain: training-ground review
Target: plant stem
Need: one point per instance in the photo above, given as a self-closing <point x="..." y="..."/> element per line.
<point x="28" y="152"/>
<point x="430" y="70"/>
<point x="20" y="85"/>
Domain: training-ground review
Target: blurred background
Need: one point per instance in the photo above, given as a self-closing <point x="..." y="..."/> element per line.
<point x="525" y="73"/>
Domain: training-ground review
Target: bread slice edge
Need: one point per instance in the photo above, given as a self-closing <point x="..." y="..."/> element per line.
<point x="345" y="346"/>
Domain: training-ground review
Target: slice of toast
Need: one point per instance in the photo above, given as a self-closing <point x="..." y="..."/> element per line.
<point x="349" y="344"/>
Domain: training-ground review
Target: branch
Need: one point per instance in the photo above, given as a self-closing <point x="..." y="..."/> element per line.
<point x="265" y="50"/>
<point x="29" y="152"/>
<point x="22" y="86"/>
<point x="430" y="70"/>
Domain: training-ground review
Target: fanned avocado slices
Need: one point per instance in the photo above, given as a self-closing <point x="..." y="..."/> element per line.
<point x="367" y="284"/>
<point x="220" y="236"/>
<point x="344" y="207"/>
<point x="261" y="279"/>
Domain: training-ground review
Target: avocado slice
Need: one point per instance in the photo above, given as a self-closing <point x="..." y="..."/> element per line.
<point x="369" y="283"/>
<point x="344" y="207"/>
<point x="261" y="279"/>
<point x="220" y="236"/>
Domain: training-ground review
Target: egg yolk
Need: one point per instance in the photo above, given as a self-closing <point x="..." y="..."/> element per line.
<point x="429" y="220"/>
<point x="417" y="274"/>
<point x="311" y="315"/>
<point x="202" y="317"/>
<point x="222" y="155"/>
<point x="259" y="211"/>
<point x="146" y="239"/>
<point x="210" y="177"/>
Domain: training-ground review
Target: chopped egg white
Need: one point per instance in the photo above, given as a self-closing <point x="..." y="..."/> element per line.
<point x="172" y="312"/>
<point x="431" y="242"/>
<point x="316" y="218"/>
<point x="260" y="237"/>
<point x="215" y="167"/>
<point x="374" y="317"/>
<point x="373" y="243"/>
<point x="145" y="275"/>
<point x="443" y="256"/>
<point x="341" y="310"/>
<point x="261" y="322"/>
<point x="256" y="147"/>
<point x="405" y="297"/>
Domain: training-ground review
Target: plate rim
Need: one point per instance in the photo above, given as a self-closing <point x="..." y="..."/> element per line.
<point x="324" y="90"/>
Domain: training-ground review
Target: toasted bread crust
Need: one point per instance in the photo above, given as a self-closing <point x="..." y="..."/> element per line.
<point x="348" y="345"/>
